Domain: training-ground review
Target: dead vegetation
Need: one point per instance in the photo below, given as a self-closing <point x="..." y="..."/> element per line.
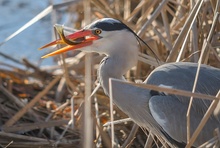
<point x="44" y="106"/>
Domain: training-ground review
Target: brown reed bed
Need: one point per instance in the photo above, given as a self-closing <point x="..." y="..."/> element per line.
<point x="44" y="107"/>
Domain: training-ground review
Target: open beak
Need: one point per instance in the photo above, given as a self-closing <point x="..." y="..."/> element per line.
<point x="73" y="41"/>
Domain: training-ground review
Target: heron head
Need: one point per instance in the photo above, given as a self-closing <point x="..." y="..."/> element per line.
<point x="101" y="36"/>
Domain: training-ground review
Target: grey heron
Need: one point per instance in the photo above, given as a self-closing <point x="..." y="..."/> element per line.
<point x="160" y="112"/>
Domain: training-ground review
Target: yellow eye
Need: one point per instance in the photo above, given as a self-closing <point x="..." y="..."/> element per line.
<point x="98" y="31"/>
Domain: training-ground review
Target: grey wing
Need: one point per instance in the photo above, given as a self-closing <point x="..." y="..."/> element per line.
<point x="170" y="114"/>
<point x="181" y="76"/>
<point x="170" y="110"/>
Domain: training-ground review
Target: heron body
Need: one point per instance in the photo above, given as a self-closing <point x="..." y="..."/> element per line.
<point x="162" y="113"/>
<point x="166" y="113"/>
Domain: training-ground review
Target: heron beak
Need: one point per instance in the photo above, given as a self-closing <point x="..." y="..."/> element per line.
<point x="73" y="41"/>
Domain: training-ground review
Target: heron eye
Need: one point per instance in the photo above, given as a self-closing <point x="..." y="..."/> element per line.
<point x="98" y="31"/>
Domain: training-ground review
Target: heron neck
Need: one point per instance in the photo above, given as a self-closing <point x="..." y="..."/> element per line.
<point x="115" y="66"/>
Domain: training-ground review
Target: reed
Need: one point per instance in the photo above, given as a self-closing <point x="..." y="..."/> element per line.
<point x="175" y="30"/>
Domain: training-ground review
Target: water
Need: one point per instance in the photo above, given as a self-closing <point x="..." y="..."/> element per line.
<point x="13" y="15"/>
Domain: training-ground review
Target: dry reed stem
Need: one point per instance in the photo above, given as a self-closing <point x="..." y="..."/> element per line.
<point x="106" y="5"/>
<point x="168" y="90"/>
<point x="182" y="50"/>
<point x="149" y="141"/>
<point x="211" y="32"/>
<point x="163" y="40"/>
<point x="179" y="12"/>
<point x="88" y="122"/>
<point x="136" y="10"/>
<point x="52" y="113"/>
<point x="193" y="90"/>
<point x="31" y="126"/>
<point x="60" y="90"/>
<point x="209" y="143"/>
<point x="116" y="4"/>
<point x="13" y="98"/>
<point x="100" y="7"/>
<point x="204" y="49"/>
<point x="64" y="131"/>
<point x="7" y="144"/>
<point x="191" y="99"/>
<point x="131" y="136"/>
<point x="145" y="14"/>
<point x="43" y="144"/>
<point x="21" y="137"/>
<point x="217" y="134"/>
<point x="117" y="121"/>
<point x="152" y="63"/>
<point x="72" y="112"/>
<point x="194" y="37"/>
<point x="25" y="109"/>
<point x="173" y="53"/>
<point x="111" y="113"/>
<point x="152" y="18"/>
<point x="106" y="139"/>
<point x="67" y="77"/>
<point x="166" y="25"/>
<point x="127" y="9"/>
<point x="204" y="120"/>
<point x="185" y="42"/>
<point x="99" y="139"/>
<point x="61" y="107"/>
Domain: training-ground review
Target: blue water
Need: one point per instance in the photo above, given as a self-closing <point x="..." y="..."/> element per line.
<point x="13" y="15"/>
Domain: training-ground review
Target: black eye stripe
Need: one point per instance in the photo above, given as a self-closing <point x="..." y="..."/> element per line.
<point x="109" y="25"/>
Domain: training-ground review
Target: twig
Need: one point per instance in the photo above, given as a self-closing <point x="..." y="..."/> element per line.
<point x="167" y="90"/>
<point x="21" y="137"/>
<point x="19" y="114"/>
<point x="17" y="101"/>
<point x="131" y="136"/>
<point x="60" y="90"/>
<point x="117" y="121"/>
<point x="72" y="112"/>
<point x="152" y="18"/>
<point x="10" y="58"/>
<point x="64" y="131"/>
<point x="37" y="71"/>
<point x="183" y="32"/>
<point x="111" y="113"/>
<point x="149" y="141"/>
<point x="32" y="126"/>
<point x="197" y="74"/>
<point x="99" y="141"/>
<point x="208" y="143"/>
<point x="166" y="24"/>
<point x="52" y="113"/>
<point x="8" y="144"/>
<point x="88" y="122"/>
<point x="211" y="32"/>
<point x="136" y="10"/>
<point x="204" y="120"/>
<point x="105" y="137"/>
